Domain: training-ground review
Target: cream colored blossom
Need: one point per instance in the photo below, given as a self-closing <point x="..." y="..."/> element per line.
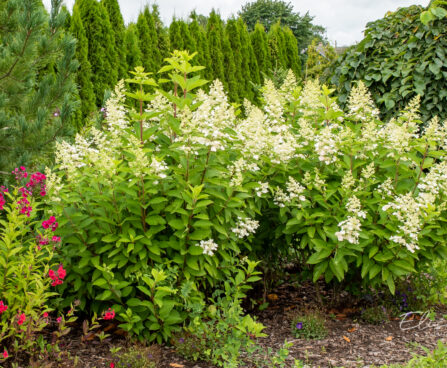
<point x="245" y="227"/>
<point x="208" y="246"/>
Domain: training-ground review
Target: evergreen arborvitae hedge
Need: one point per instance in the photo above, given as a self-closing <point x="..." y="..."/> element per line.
<point x="84" y="74"/>
<point x="101" y="46"/>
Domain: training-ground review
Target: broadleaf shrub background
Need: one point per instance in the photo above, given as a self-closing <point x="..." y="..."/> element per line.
<point x="399" y="58"/>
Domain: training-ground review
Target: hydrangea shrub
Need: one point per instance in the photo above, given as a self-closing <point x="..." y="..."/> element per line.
<point x="159" y="203"/>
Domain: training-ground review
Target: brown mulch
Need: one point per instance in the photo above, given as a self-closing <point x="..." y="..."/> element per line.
<point x="350" y="342"/>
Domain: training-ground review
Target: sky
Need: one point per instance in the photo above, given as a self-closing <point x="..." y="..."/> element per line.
<point x="345" y="20"/>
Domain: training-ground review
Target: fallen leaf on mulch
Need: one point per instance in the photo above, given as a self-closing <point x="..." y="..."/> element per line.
<point x="175" y="365"/>
<point x="347" y="339"/>
<point x="352" y="330"/>
<point x="340" y="316"/>
<point x="389" y="338"/>
<point x="272" y="297"/>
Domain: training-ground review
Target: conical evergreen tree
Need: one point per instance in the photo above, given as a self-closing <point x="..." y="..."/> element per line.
<point x="276" y="47"/>
<point x="293" y="55"/>
<point x="214" y="36"/>
<point x="188" y="42"/>
<point x="259" y="43"/>
<point x="145" y="43"/>
<point x="84" y="74"/>
<point x="231" y="82"/>
<point x="101" y="46"/>
<point x="198" y="34"/>
<point x="162" y="34"/>
<point x="67" y="22"/>
<point x="234" y="37"/>
<point x="116" y="21"/>
<point x="133" y="53"/>
<point x="249" y="69"/>
<point x="156" y="55"/>
<point x="35" y="107"/>
<point x="175" y="36"/>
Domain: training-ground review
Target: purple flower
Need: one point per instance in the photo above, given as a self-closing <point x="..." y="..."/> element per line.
<point x="299" y="325"/>
<point x="181" y="340"/>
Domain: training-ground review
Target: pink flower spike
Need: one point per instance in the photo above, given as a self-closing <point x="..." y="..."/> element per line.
<point x="3" y="307"/>
<point x="54" y="226"/>
<point x="22" y="168"/>
<point x="21" y="319"/>
<point x="5" y="354"/>
<point x="109" y="314"/>
<point x="61" y="272"/>
<point x="59" y="319"/>
<point x="45" y="315"/>
<point x="45" y="225"/>
<point x="51" y="219"/>
<point x="112" y="365"/>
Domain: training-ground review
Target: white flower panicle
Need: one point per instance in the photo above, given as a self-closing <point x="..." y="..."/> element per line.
<point x="408" y="212"/>
<point x="348" y="181"/>
<point x="355" y="207"/>
<point x="386" y="189"/>
<point x="273" y="103"/>
<point x="349" y="230"/>
<point x="208" y="246"/>
<point x="237" y="171"/>
<point x="289" y="86"/>
<point x="326" y="145"/>
<point x="245" y="227"/>
<point x="295" y="189"/>
<point x="116" y="112"/>
<point x="53" y="185"/>
<point x="262" y="189"/>
<point x="368" y="171"/>
<point x="360" y="103"/>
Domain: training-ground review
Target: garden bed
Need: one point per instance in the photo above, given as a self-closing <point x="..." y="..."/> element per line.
<point x="350" y="342"/>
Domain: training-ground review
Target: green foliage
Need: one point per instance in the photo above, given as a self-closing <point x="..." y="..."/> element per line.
<point x="117" y="23"/>
<point x="214" y="35"/>
<point x="375" y="315"/>
<point x="315" y="223"/>
<point x="250" y="68"/>
<point x="201" y="43"/>
<point x="309" y="326"/>
<point x="101" y="46"/>
<point x="260" y="48"/>
<point x="175" y="36"/>
<point x="135" y="357"/>
<point x="235" y="47"/>
<point x="430" y="285"/>
<point x="84" y="74"/>
<point x="154" y="55"/>
<point x="37" y="91"/>
<point x="162" y="33"/>
<point x="224" y="333"/>
<point x="400" y="57"/>
<point x="145" y="42"/>
<point x="230" y="81"/>
<point x="24" y="282"/>
<point x="133" y="53"/>
<point x="137" y="239"/>
<point x="435" y="358"/>
<point x="320" y="58"/>
<point x="269" y="12"/>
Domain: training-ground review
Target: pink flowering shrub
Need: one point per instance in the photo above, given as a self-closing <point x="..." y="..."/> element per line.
<point x="27" y="249"/>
